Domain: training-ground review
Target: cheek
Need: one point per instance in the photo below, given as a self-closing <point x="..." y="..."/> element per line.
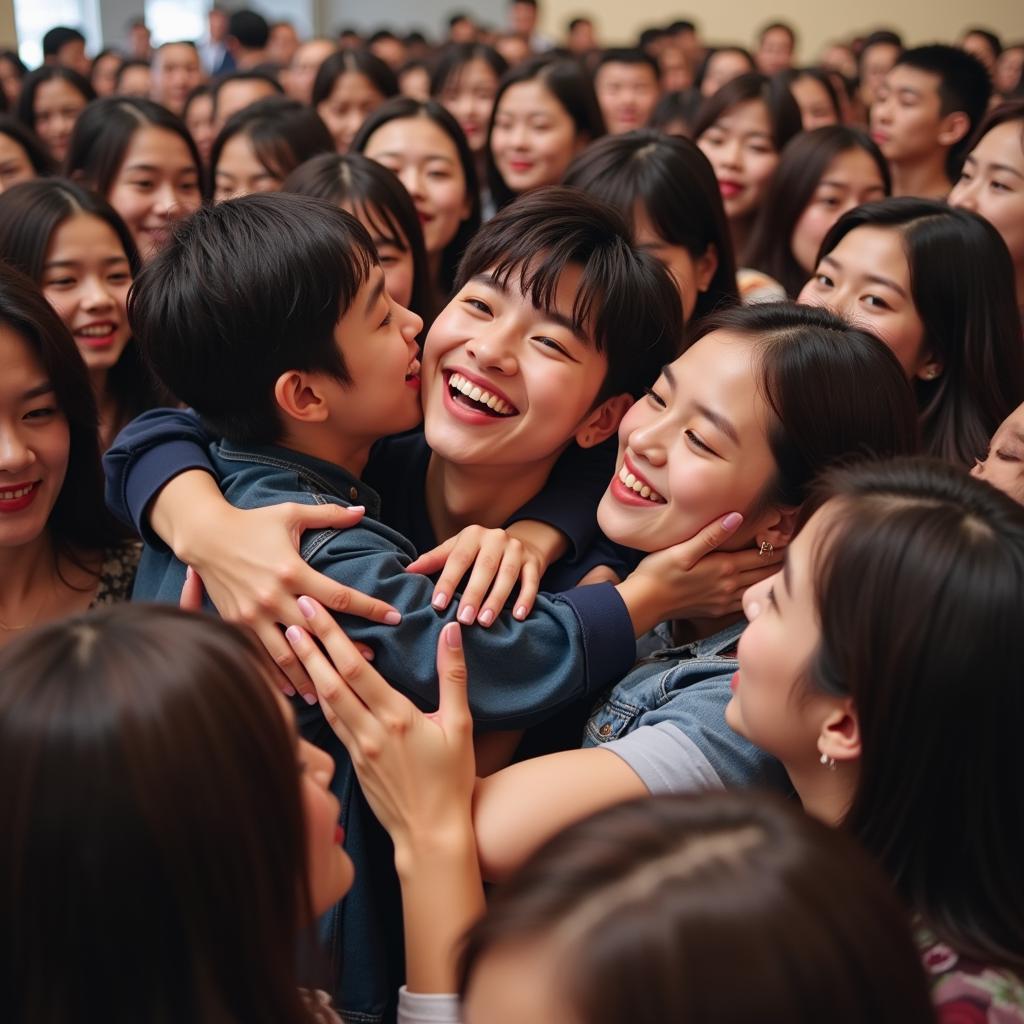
<point x="761" y="168"/>
<point x="810" y="229"/>
<point x="63" y="302"/>
<point x="398" y="279"/>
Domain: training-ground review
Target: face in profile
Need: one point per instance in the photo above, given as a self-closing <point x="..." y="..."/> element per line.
<point x="1003" y="464"/>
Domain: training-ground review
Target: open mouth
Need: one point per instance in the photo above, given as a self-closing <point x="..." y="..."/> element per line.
<point x="640" y="487"/>
<point x="470" y="395"/>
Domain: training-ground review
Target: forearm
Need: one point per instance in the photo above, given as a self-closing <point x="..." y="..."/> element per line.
<point x="644" y="602"/>
<point x="189" y="498"/>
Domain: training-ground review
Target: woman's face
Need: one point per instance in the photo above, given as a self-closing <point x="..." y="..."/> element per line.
<point x="772" y="705"/>
<point x="992" y="184"/>
<point x="86" y="277"/>
<point x="816" y="109"/>
<point x="239" y="171"/>
<point x="352" y="99"/>
<point x="866" y="278"/>
<point x="15" y="166"/>
<point x="424" y="158"/>
<point x="199" y="121"/>
<point x="743" y="154"/>
<point x="34" y="444"/>
<point x="1003" y="465"/>
<point x="851" y="179"/>
<point x="104" y="74"/>
<point x="156" y="184"/>
<point x="10" y="82"/>
<point x="722" y="68"/>
<point x="394" y="252"/>
<point x="695" y="449"/>
<point x="469" y="97"/>
<point x="56" y="107"/>
<point x="534" y="139"/>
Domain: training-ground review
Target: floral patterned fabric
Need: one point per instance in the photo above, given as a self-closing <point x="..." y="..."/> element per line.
<point x="965" y="992"/>
<point x="120" y="562"/>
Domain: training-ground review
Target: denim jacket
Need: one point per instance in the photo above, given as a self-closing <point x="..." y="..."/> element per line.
<point x="666" y="720"/>
<point x="520" y="673"/>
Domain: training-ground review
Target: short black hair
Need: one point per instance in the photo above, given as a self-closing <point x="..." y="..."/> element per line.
<point x="626" y="301"/>
<point x="683" y="25"/>
<point x="454" y="19"/>
<point x="771" y="26"/>
<point x="249" y="28"/>
<point x="240" y="294"/>
<point x="626" y="55"/>
<point x="134" y="62"/>
<point x="26" y="108"/>
<point x="880" y="37"/>
<point x="242" y="76"/>
<point x="576" y="22"/>
<point x="380" y="35"/>
<point x="994" y="42"/>
<point x="59" y="37"/>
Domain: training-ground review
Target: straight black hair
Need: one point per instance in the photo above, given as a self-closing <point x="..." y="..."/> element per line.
<point x="626" y="55"/>
<point x="626" y="301"/>
<point x="26" y="109"/>
<point x="381" y="77"/>
<point x="571" y="87"/>
<point x="963" y="289"/>
<point x="38" y="155"/>
<point x="58" y="37"/>
<point x="406" y="107"/>
<point x="783" y="112"/>
<point x="252" y="75"/>
<point x="671" y="181"/>
<point x="678" y="107"/>
<point x="374" y="194"/>
<point x="918" y="583"/>
<point x="455" y="56"/>
<point x="244" y="291"/>
<point x="821" y="76"/>
<point x="801" y="166"/>
<point x="104" y="131"/>
<point x="713" y="51"/>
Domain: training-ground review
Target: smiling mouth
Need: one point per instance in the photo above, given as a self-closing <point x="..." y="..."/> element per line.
<point x="644" y="490"/>
<point x="479" y="399"/>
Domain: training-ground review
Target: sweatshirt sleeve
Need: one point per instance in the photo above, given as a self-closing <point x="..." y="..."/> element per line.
<point x="153" y="449"/>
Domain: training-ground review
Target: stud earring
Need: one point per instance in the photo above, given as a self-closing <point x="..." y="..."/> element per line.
<point x="767" y="549"/>
<point x="828" y="762"/>
<point x="931" y="373"/>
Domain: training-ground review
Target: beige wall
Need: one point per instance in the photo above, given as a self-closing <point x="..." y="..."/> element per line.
<point x="818" y="21"/>
<point x="8" y="35"/>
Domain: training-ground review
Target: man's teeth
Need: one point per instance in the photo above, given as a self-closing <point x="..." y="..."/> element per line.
<point x="14" y="495"/>
<point x="644" y="490"/>
<point x="477" y="394"/>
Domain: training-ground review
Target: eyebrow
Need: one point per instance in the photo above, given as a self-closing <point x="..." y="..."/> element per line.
<point x="551" y="314"/>
<point x="375" y="294"/>
<point x="709" y="414"/>
<point x="50" y="264"/>
<point x="1007" y="169"/>
<point x="40" y="389"/>
<point x="886" y="282"/>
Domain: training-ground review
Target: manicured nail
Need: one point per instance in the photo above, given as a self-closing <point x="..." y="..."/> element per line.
<point x="393" y="618"/>
<point x="520" y="612"/>
<point x="440" y="601"/>
<point x="453" y="636"/>
<point x="368" y="654"/>
<point x="467" y="615"/>
<point x="288" y="690"/>
<point x="309" y="698"/>
<point x="732" y="521"/>
<point x="307" y="607"/>
<point x="357" y="508"/>
<point x="486" y="617"/>
<point x="189" y="572"/>
<point x="293" y="634"/>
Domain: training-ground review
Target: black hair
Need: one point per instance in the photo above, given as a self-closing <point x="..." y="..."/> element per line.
<point x="405" y="107"/>
<point x="698" y="79"/>
<point x="455" y="56"/>
<point x="671" y="179"/>
<point x="127" y="65"/>
<point x="574" y="23"/>
<point x="679" y="105"/>
<point x="208" y="314"/>
<point x="801" y="166"/>
<point x="59" y="37"/>
<point x="249" y="28"/>
<point x="381" y="35"/>
<point x="964" y="85"/>
<point x="649" y="36"/>
<point x="783" y="111"/>
<point x="381" y="77"/>
<point x="994" y="42"/>
<point x="790" y="75"/>
<point x="456" y="16"/>
<point x="30" y="213"/>
<point x="12" y="58"/>
<point x="626" y="301"/>
<point x="626" y="55"/>
<point x="104" y="131"/>
<point x="773" y="26"/>
<point x="880" y="37"/>
<point x="683" y="25"/>
<point x="253" y="75"/>
<point x="25" y="111"/>
<point x="38" y="155"/>
<point x="284" y="133"/>
<point x="571" y="87"/>
<point x="378" y="197"/>
<point x="962" y="285"/>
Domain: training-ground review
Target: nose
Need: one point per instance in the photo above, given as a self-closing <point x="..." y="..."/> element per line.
<point x="410" y="177"/>
<point x="978" y="469"/>
<point x="519" y="137"/>
<point x="412" y="324"/>
<point x="730" y="154"/>
<point x="965" y="195"/>
<point x="755" y="597"/>
<point x="97" y="295"/>
<point x="493" y="348"/>
<point x="165" y="201"/>
<point x="15" y="455"/>
<point x="647" y="442"/>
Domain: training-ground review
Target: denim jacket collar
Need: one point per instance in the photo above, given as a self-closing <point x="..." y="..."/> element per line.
<point x="710" y="647"/>
<point x="320" y="476"/>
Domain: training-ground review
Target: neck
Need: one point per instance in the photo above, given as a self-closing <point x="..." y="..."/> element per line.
<point x="460" y="496"/>
<point x="826" y="794"/>
<point x="434" y="264"/>
<point x="739" y="231"/>
<point x="106" y="406"/>
<point x="926" y="179"/>
<point x="24" y="571"/>
<point x="348" y="453"/>
<point x="687" y="631"/>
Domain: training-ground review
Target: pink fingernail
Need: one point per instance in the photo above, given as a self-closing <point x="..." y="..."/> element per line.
<point x="287" y="690"/>
<point x="307" y="607"/>
<point x="467" y="615"/>
<point x="293" y="634"/>
<point x="453" y="636"/>
<point x="309" y="698"/>
<point x="732" y="521"/>
<point x="486" y="617"/>
<point x="357" y="508"/>
<point x="440" y="601"/>
<point x="393" y="618"/>
<point x="520" y="612"/>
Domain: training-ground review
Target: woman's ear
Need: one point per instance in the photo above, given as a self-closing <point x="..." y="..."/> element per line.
<point x="603" y="421"/>
<point x="706" y="267"/>
<point x="299" y="397"/>
<point x="839" y="738"/>
<point x="778" y="528"/>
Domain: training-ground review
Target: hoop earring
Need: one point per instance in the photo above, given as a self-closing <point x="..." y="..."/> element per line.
<point x="767" y="549"/>
<point x="828" y="762"/>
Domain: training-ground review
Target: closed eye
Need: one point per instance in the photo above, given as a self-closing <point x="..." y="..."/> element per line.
<point x="877" y="302"/>
<point x="479" y="305"/>
<point x="696" y="441"/>
<point x="824" y="280"/>
<point x="655" y="398"/>
<point x="550" y="343"/>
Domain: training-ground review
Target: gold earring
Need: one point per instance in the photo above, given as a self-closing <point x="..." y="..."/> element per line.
<point x="828" y="762"/>
<point x="931" y="373"/>
<point x="767" y="549"/>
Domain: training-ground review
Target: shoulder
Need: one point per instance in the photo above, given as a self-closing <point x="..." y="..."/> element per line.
<point x="117" y="574"/>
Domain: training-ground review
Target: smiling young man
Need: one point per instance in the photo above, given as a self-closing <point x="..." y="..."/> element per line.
<point x="923" y="115"/>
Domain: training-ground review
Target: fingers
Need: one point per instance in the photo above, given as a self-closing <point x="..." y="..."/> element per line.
<point x="528" y="577"/>
<point x="191" y="598"/>
<point x="710" y="538"/>
<point x="346" y="600"/>
<point x="324" y="517"/>
<point x="292" y="677"/>
<point x="453" y="679"/>
<point x="497" y="566"/>
<point x="433" y="560"/>
<point x="464" y="551"/>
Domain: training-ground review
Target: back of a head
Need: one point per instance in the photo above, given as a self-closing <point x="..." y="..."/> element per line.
<point x="625" y="301"/>
<point x="919" y="578"/>
<point x="962" y="285"/>
<point x="58" y="37"/>
<point x="143" y="754"/>
<point x="243" y="291"/>
<point x="250" y="29"/>
<point x="647" y="908"/>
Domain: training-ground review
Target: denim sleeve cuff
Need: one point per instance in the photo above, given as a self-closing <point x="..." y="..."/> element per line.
<point x="666" y="759"/>
<point x="151" y="471"/>
<point x="609" y="645"/>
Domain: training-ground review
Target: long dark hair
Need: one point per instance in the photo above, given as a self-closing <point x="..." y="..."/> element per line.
<point x="819" y="75"/>
<point x="801" y="166"/>
<point x="365" y="63"/>
<point x="26" y="109"/>
<point x="649" y="906"/>
<point x="79" y="523"/>
<point x="783" y="112"/>
<point x="454" y="57"/>
<point x="104" y="131"/>
<point x="38" y="155"/>
<point x="405" y="107"/>
<point x="29" y="215"/>
<point x="570" y="85"/>
<point x="962" y="284"/>
<point x="918" y="584"/>
<point x="671" y="179"/>
<point x="366" y="186"/>
<point x="153" y="825"/>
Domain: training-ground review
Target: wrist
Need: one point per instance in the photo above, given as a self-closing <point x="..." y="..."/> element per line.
<point x="641" y="595"/>
<point x="423" y="849"/>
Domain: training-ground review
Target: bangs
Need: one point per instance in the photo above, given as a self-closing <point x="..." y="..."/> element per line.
<point x="381" y="223"/>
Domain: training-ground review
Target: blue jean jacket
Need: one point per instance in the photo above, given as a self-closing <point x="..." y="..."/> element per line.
<point x="572" y="646"/>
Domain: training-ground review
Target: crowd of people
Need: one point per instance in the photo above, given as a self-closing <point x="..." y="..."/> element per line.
<point x="510" y="529"/>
